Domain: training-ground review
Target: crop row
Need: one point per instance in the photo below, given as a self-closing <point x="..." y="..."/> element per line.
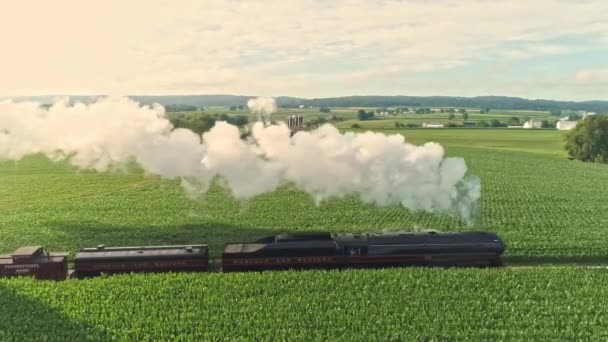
<point x="355" y="305"/>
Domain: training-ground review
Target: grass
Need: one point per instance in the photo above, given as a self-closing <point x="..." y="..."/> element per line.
<point x="547" y="208"/>
<point x="356" y="305"/>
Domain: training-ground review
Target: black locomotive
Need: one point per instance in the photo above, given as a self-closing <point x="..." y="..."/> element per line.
<point x="327" y="250"/>
<point x="283" y="251"/>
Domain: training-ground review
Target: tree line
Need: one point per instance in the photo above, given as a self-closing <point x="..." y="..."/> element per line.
<point x="202" y="122"/>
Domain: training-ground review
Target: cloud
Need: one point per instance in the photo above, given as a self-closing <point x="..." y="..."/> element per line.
<point x="592" y="77"/>
<point x="253" y="47"/>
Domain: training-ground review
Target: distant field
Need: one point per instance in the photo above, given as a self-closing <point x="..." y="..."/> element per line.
<point x="349" y="114"/>
<point x="543" y="204"/>
<point x="548" y="209"/>
<point x="364" y="305"/>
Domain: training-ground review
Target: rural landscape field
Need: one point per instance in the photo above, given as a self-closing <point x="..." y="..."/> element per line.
<point x="549" y="209"/>
<point x="304" y="170"/>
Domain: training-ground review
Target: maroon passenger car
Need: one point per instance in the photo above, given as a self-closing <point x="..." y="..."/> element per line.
<point x="34" y="261"/>
<point x="110" y="260"/>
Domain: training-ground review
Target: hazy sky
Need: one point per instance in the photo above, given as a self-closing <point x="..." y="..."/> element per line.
<point x="535" y="49"/>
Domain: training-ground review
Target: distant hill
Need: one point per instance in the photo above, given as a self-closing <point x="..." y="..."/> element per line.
<point x="494" y="102"/>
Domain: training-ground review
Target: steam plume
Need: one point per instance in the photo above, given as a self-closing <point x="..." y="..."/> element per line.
<point x="383" y="169"/>
<point x="263" y="107"/>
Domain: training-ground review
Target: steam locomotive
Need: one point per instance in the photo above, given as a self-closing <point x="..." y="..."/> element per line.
<point x="283" y="251"/>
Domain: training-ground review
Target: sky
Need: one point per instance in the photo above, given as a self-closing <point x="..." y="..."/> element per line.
<point x="551" y="49"/>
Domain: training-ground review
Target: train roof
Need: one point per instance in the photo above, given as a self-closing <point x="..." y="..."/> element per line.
<point x="433" y="237"/>
<point x="27" y="251"/>
<point x="144" y="252"/>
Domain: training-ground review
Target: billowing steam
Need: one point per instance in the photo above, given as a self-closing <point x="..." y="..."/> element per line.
<point x="383" y="169"/>
<point x="263" y="107"/>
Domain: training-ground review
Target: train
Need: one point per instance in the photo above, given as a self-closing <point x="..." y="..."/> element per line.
<point x="290" y="250"/>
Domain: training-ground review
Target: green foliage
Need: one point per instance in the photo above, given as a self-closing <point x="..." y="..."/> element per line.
<point x="324" y="110"/>
<point x="180" y="108"/>
<point x="465" y="115"/>
<point x="484" y="110"/>
<point x="451" y="116"/>
<point x="547" y="124"/>
<point x="588" y="141"/>
<point x="495" y="123"/>
<point x="423" y="111"/>
<point x="362" y="115"/>
<point x="514" y="121"/>
<point x="201" y="122"/>
<point x="353" y="305"/>
<point x="524" y="199"/>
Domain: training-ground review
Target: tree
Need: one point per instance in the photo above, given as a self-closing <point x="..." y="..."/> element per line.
<point x="588" y="141"/>
<point x="514" y="121"/>
<point x="324" y="110"/>
<point x="547" y="124"/>
<point x="465" y="116"/>
<point x="484" y="110"/>
<point x="482" y="124"/>
<point x="232" y="107"/>
<point x="423" y="110"/>
<point x="451" y="116"/>
<point x="362" y="115"/>
<point x="462" y="111"/>
<point x="495" y="123"/>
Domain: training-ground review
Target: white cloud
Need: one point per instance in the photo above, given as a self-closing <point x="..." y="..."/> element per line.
<point x="592" y="76"/>
<point x="251" y="47"/>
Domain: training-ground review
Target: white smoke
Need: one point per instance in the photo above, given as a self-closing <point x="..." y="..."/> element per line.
<point x="383" y="169"/>
<point x="263" y="107"/>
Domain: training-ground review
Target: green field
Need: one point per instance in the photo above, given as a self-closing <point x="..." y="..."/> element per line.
<point x="359" y="305"/>
<point x="548" y="209"/>
<point x="349" y="116"/>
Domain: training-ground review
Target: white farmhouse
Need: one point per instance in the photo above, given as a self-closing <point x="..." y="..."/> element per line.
<point x="564" y="125"/>
<point x="533" y="124"/>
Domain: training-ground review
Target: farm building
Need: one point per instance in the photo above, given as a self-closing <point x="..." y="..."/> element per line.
<point x="432" y="125"/>
<point x="533" y="124"/>
<point x="564" y="125"/>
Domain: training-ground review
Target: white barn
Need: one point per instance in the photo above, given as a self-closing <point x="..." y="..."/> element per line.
<point x="533" y="124"/>
<point x="564" y="125"/>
